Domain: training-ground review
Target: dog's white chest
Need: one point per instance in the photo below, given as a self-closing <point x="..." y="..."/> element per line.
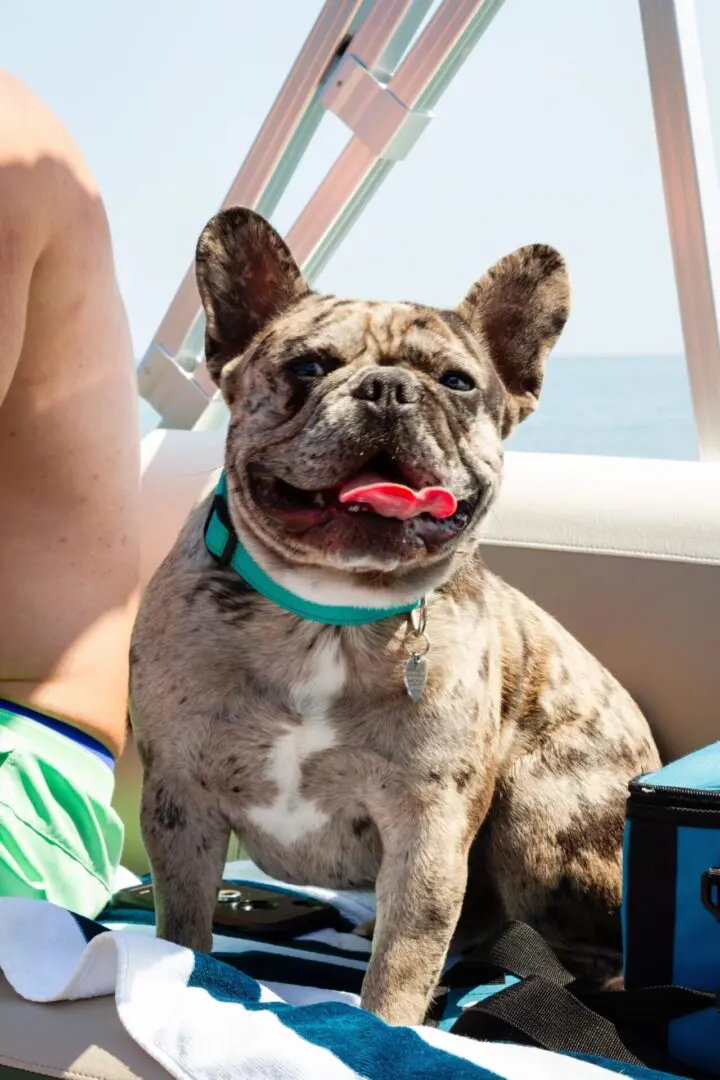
<point x="291" y="816"/>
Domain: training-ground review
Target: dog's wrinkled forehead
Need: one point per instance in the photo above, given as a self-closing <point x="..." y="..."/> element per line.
<point x="367" y="331"/>
<point x="353" y="328"/>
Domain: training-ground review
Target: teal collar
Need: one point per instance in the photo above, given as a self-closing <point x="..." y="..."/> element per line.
<point x="225" y="547"/>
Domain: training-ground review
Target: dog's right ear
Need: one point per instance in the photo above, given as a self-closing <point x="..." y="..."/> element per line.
<point x="517" y="310"/>
<point x="246" y="276"/>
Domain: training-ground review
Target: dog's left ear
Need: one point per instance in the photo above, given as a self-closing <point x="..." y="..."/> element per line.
<point x="518" y="310"/>
<point x="246" y="276"/>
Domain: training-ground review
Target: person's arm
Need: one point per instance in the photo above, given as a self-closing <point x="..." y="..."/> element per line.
<point x="69" y="447"/>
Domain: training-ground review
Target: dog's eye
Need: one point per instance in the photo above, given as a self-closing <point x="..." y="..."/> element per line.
<point x="307" y="369"/>
<point x="455" y="380"/>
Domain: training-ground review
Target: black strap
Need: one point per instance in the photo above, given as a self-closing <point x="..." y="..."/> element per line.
<point x="515" y="949"/>
<point x="549" y="1009"/>
<point x="519" y="950"/>
<point x="544" y="1014"/>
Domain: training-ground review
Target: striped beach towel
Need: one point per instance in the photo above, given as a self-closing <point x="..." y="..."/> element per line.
<point x="257" y="1010"/>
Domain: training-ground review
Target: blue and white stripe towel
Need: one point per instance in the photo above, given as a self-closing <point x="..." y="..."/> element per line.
<point x="252" y="1011"/>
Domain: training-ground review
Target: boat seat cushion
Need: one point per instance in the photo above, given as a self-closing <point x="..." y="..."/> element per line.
<point x="77" y="1040"/>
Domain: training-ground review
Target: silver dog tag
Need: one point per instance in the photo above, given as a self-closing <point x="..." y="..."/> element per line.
<point x="416" y="647"/>
<point x="415" y="676"/>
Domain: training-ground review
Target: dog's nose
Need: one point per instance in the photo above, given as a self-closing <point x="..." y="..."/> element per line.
<point x="388" y="387"/>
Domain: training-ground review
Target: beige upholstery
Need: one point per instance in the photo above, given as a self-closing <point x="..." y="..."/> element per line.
<point x="653" y="624"/>
<point x="626" y="554"/>
<point x="178" y="468"/>
<point x="81" y="1040"/>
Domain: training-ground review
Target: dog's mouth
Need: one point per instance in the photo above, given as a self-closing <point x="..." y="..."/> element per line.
<point x="381" y="494"/>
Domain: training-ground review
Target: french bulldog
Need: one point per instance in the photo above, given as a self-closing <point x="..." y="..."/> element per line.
<point x="451" y="746"/>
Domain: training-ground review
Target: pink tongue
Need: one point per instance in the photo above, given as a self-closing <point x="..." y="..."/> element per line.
<point x="396" y="500"/>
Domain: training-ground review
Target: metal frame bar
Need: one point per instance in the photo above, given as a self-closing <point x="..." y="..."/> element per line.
<point x="167" y="376"/>
<point x="419" y="82"/>
<point x="692" y="197"/>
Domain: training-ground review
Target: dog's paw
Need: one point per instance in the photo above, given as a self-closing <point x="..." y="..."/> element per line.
<point x="366" y="929"/>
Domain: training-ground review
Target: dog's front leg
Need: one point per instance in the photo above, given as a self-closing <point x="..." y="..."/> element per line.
<point x="419" y="893"/>
<point x="187" y="840"/>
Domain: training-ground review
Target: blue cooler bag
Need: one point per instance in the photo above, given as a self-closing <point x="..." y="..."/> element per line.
<point x="671" y="901"/>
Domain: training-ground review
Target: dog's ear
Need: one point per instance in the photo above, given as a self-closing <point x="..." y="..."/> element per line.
<point x="246" y="276"/>
<point x="518" y="310"/>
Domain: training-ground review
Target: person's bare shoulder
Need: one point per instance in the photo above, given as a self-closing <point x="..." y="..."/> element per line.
<point x="37" y="153"/>
<point x="51" y="214"/>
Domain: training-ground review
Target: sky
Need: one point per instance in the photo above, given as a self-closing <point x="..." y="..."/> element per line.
<point x="545" y="135"/>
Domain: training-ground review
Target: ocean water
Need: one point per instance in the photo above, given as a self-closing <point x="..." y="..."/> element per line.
<point x="626" y="406"/>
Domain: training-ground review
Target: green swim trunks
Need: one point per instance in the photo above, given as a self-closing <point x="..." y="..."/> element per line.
<point x="60" y="839"/>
